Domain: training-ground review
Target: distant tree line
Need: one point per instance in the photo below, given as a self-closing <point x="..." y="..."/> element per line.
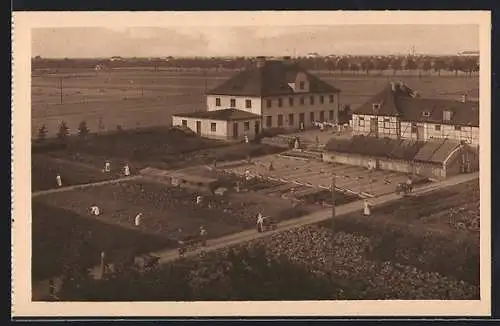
<point x="359" y="64"/>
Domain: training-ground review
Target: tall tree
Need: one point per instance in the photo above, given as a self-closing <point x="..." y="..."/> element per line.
<point x="439" y="65"/>
<point x="381" y="64"/>
<point x="426" y="65"/>
<point x="367" y="66"/>
<point x="342" y="65"/>
<point x="395" y="65"/>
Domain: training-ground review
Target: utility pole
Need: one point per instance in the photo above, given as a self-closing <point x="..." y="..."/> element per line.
<point x="333" y="199"/>
<point x="61" y="89"/>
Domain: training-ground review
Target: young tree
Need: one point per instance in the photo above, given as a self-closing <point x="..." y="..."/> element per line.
<point x="42" y="133"/>
<point x="63" y="132"/>
<point x="83" y="130"/>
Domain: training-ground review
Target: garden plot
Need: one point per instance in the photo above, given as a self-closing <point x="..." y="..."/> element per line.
<point x="316" y="174"/>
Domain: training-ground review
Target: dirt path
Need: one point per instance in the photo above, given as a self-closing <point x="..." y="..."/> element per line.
<point x="85" y="185"/>
<point x="40" y="289"/>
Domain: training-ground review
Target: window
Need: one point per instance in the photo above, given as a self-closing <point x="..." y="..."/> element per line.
<point x="321" y="115"/>
<point x="311" y="100"/>
<point x="458" y="128"/>
<point x="269" y="121"/>
<point x="290" y="101"/>
<point x="426" y="114"/>
<point x="311" y="116"/>
<point x="302" y="85"/>
<point x="331" y="98"/>
<point x="302" y="101"/>
<point x="213" y="127"/>
<point x="280" y="102"/>
<point x="321" y="99"/>
<point x="376" y="107"/>
<point x="246" y="126"/>
<point x="184" y="123"/>
<point x="280" y="120"/>
<point x="414" y="128"/>
<point x="331" y="115"/>
<point x="437" y="127"/>
<point x="361" y="121"/>
<point x="290" y="119"/>
<point x="217" y="101"/>
<point x="248" y="104"/>
<point x="233" y="103"/>
<point x="387" y="123"/>
<point x="269" y="103"/>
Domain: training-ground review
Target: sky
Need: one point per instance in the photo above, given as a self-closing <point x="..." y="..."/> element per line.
<point x="91" y="42"/>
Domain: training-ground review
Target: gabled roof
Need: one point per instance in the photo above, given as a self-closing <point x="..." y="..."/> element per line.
<point x="377" y="147"/>
<point x="221" y="115"/>
<point x="407" y="150"/>
<point x="388" y="99"/>
<point x="402" y="102"/>
<point x="269" y="80"/>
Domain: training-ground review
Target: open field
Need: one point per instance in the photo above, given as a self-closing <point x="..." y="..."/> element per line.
<point x="136" y="98"/>
<point x="165" y="211"/>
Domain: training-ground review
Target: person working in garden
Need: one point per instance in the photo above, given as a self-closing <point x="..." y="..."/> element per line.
<point x="260" y="223"/>
<point x="95" y="210"/>
<point x="203" y="235"/>
<point x="58" y="180"/>
<point x="366" y="207"/>
<point x="107" y="167"/>
<point x="126" y="170"/>
<point x="138" y="220"/>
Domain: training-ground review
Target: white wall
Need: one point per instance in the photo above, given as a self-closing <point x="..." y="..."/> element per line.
<point x="206" y="126"/>
<point x="240" y="103"/>
<point x="466" y="133"/>
<point x="387" y="125"/>
<point x="286" y="109"/>
<point x="241" y="129"/>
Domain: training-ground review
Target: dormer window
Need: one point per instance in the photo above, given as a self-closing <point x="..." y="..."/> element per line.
<point x="376" y="107"/>
<point x="447" y="115"/>
<point x="426" y="114"/>
<point x="302" y="85"/>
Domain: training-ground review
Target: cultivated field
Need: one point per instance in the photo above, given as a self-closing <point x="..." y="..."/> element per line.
<point x="166" y="210"/>
<point x="135" y="98"/>
<point x="82" y="160"/>
<point x="378" y="259"/>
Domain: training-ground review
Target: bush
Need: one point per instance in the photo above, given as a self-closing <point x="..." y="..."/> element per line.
<point x="83" y="130"/>
<point x="42" y="133"/>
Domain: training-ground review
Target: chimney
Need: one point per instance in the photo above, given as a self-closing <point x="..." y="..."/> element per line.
<point x="464" y="98"/>
<point x="261" y="61"/>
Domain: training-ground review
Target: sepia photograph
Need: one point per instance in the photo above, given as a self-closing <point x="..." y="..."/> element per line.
<point x="251" y="158"/>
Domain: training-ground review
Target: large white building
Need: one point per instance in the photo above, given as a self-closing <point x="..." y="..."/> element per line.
<point x="396" y="112"/>
<point x="270" y="94"/>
